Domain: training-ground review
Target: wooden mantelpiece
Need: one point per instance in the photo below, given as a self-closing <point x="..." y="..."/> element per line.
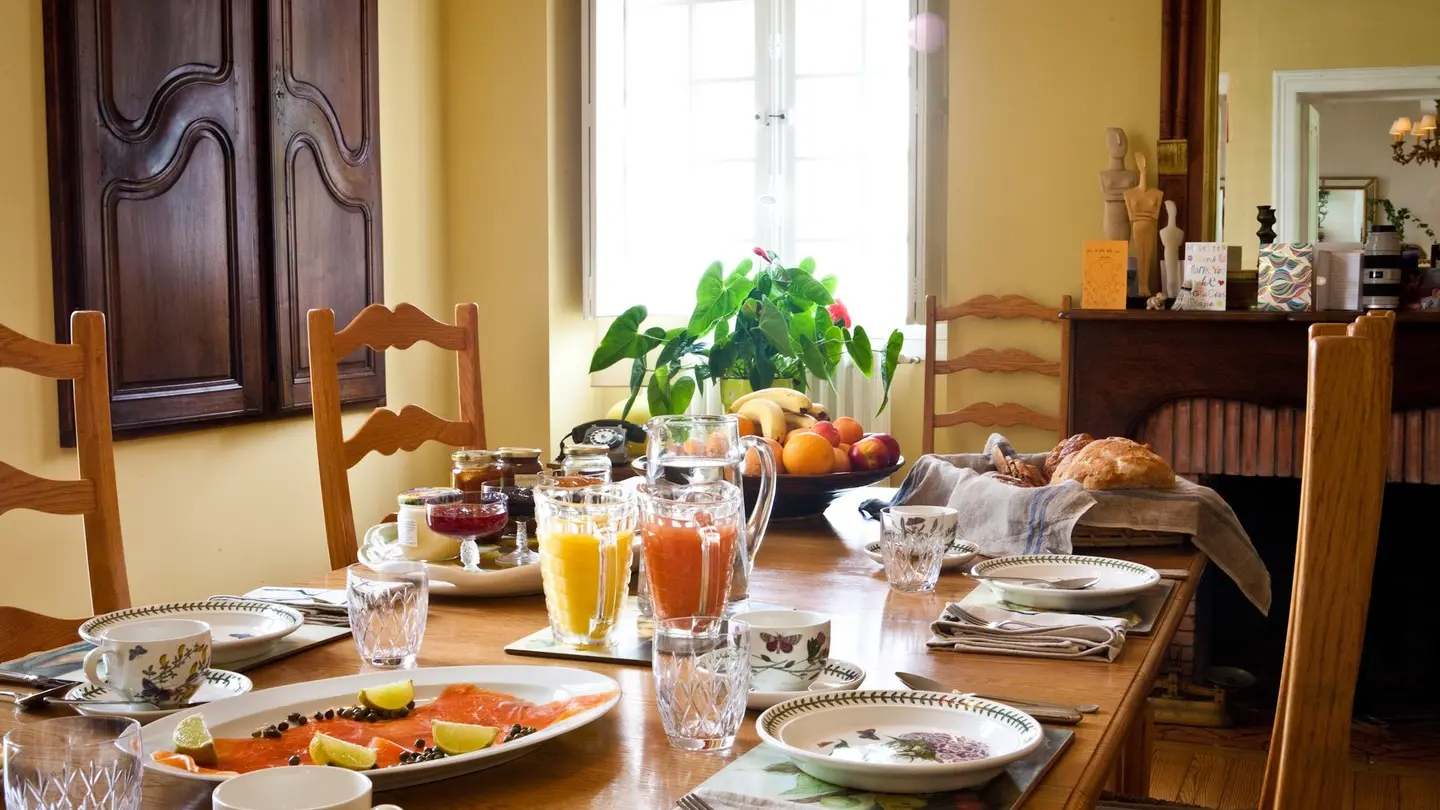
<point x="1224" y="392"/>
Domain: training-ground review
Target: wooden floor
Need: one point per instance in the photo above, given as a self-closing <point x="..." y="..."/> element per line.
<point x="1224" y="777"/>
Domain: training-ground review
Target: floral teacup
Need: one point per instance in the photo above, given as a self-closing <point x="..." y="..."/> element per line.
<point x="788" y="648"/>
<point x="161" y="662"/>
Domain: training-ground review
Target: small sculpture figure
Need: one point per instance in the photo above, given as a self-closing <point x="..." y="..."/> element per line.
<point x="1173" y="238"/>
<point x="1115" y="180"/>
<point x="1431" y="301"/>
<point x="1142" y="203"/>
<point x="1185" y="300"/>
<point x="1156" y="301"/>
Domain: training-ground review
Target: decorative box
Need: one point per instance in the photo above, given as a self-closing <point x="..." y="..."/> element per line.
<point x="1286" y="270"/>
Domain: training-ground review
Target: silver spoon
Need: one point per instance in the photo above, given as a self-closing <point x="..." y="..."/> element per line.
<point x="1054" y="583"/>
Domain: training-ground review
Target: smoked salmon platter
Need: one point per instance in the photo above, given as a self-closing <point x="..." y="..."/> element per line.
<point x="401" y="727"/>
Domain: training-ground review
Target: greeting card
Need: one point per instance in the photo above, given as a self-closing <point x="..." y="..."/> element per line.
<point x="1103" y="283"/>
<point x="1207" y="269"/>
<point x="1285" y="276"/>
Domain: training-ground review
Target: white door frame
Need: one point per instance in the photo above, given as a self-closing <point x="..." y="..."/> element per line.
<point x="1293" y="89"/>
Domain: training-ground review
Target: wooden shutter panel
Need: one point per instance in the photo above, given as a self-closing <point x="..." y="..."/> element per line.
<point x="325" y="168"/>
<point x="151" y="110"/>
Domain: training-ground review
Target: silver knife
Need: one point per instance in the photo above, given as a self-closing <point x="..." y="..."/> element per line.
<point x="1044" y="712"/>
<point x="33" y="681"/>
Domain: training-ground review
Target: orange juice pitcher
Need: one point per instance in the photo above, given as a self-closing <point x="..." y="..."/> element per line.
<point x="689" y="533"/>
<point x="585" y="535"/>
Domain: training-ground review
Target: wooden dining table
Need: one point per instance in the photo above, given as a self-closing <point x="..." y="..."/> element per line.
<point x="623" y="760"/>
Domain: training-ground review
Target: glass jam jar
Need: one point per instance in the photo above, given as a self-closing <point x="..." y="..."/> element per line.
<point x="472" y="469"/>
<point x="417" y="542"/>
<point x="520" y="466"/>
<point x="588" y="460"/>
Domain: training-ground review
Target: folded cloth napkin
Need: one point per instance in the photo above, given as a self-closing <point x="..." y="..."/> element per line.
<point x="318" y="599"/>
<point x="1002" y="519"/>
<point x="1039" y="635"/>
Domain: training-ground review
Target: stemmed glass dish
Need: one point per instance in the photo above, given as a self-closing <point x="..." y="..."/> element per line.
<point x="478" y="515"/>
<point x="521" y="504"/>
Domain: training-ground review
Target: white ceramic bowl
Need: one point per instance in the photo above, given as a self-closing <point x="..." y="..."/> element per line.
<point x="838" y="676"/>
<point x="899" y="741"/>
<point x="1120" y="580"/>
<point x="957" y="554"/>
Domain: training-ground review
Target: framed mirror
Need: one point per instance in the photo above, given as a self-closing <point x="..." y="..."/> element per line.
<point x="1343" y="208"/>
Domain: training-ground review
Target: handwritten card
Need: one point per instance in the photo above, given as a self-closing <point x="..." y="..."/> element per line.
<point x="1103" y="283"/>
<point x="1207" y="267"/>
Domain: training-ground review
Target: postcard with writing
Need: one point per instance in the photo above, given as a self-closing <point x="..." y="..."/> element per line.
<point x="1103" y="283"/>
<point x="1207" y="266"/>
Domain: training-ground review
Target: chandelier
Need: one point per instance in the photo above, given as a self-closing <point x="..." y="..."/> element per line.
<point x="1426" y="148"/>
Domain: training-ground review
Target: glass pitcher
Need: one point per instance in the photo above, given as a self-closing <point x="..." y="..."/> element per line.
<point x="688" y="535"/>
<point x="585" y="535"/>
<point x="694" y="449"/>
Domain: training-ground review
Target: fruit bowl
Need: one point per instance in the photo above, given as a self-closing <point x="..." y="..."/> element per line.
<point x="807" y="496"/>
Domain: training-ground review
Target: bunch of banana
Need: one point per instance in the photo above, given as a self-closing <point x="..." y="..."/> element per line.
<point x="777" y="411"/>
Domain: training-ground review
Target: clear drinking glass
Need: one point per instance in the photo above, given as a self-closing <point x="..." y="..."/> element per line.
<point x="520" y="502"/>
<point x="702" y="678"/>
<point x="689" y="449"/>
<point x="74" y="763"/>
<point x="913" y="540"/>
<point x="689" y="533"/>
<point x="388" y="605"/>
<point x="586" y="532"/>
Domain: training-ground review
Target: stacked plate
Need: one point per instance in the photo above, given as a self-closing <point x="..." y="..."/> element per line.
<point x="1118" y="582"/>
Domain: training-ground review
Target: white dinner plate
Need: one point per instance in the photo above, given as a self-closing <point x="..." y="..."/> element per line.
<point x="1120" y="580"/>
<point x="900" y="742"/>
<point x="451" y="579"/>
<point x="838" y="676"/>
<point x="958" y="553"/>
<point x="239" y="628"/>
<point x="219" y="684"/>
<point x="239" y="716"/>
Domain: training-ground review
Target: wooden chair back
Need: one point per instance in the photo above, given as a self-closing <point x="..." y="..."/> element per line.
<point x="385" y="431"/>
<point x="93" y="494"/>
<point x="1007" y="361"/>
<point x="1347" y="423"/>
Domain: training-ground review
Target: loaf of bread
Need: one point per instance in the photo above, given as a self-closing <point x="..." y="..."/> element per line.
<point x="1115" y="463"/>
<point x="1064" y="450"/>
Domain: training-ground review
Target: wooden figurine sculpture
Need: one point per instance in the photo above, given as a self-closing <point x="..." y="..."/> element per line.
<point x="1142" y="203"/>
<point x="1115" y="180"/>
<point x="1173" y="238"/>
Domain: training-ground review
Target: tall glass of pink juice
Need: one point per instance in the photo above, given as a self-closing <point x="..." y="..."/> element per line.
<point x="688" y="533"/>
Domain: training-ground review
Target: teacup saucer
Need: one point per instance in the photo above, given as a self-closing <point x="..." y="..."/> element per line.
<point x="219" y="684"/>
<point x="959" y="553"/>
<point x="838" y="676"/>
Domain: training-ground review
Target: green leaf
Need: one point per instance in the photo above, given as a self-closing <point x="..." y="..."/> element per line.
<point x="675" y="348"/>
<point x="657" y="394"/>
<point x="722" y="332"/>
<point x="623" y="340"/>
<point x="764" y="282"/>
<point x="742" y="269"/>
<point x="833" y="345"/>
<point x="860" y="351"/>
<point x="637" y="379"/>
<point x="761" y="372"/>
<point x="806" y="288"/>
<point x="717" y="297"/>
<point x="805" y="346"/>
<point x="830" y="282"/>
<point x="888" y="366"/>
<point x="773" y="326"/>
<point x="681" y="391"/>
<point x="722" y="358"/>
<point x="807" y="264"/>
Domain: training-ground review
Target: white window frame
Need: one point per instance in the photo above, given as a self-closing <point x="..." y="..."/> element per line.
<point x="929" y="105"/>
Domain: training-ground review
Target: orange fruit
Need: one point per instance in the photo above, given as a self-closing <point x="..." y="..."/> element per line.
<point x="747" y="426"/>
<point x="752" y="459"/>
<point x="792" y="434"/>
<point x="808" y="454"/>
<point x="842" y="460"/>
<point x="851" y="431"/>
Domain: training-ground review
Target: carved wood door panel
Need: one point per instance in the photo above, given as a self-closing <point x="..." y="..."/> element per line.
<point x="325" y="170"/>
<point x="152" y="107"/>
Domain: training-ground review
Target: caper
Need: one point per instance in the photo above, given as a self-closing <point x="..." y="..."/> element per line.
<point x="329" y="714"/>
<point x="294" y="759"/>
<point x="420" y="743"/>
<point x="257" y="732"/>
<point x="301" y="720"/>
<point x="283" y="725"/>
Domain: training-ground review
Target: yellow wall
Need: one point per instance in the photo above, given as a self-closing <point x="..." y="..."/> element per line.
<point x="1330" y="34"/>
<point x="1030" y="97"/>
<point x="218" y="510"/>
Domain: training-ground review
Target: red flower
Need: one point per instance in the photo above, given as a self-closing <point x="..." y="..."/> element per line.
<point x="838" y="312"/>
<point x="759" y="251"/>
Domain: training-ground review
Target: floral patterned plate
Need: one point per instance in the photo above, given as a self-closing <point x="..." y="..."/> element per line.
<point x="218" y="685"/>
<point x="1120" y="581"/>
<point x="900" y="742"/>
<point x="239" y="628"/>
<point x="838" y="676"/>
<point x="959" y="553"/>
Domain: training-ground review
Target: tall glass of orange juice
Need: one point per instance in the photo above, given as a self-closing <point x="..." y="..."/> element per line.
<point x="585" y="535"/>
<point x="688" y="533"/>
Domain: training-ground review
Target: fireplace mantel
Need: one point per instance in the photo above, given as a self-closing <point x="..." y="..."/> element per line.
<point x="1224" y="392"/>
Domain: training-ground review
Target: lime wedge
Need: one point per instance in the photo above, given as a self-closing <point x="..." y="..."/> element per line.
<point x="390" y="697"/>
<point x="327" y="750"/>
<point x="462" y="738"/>
<point x="192" y="738"/>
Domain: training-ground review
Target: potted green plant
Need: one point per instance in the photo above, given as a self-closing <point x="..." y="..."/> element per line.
<point x="775" y="326"/>
<point x="1399" y="216"/>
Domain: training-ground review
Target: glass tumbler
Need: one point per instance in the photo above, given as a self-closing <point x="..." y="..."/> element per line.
<point x="388" y="604"/>
<point x="702" y="678"/>
<point x="74" y="763"/>
<point x="913" y="540"/>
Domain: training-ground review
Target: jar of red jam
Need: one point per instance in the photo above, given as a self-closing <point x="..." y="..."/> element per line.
<point x="472" y="469"/>
<point x="520" y="466"/>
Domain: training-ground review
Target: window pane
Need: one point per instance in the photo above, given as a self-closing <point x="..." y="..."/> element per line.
<point x="829" y="117"/>
<point x="829" y="35"/>
<point x="722" y="119"/>
<point x="724" y="37"/>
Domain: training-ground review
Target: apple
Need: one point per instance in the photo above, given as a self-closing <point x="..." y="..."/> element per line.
<point x="828" y="431"/>
<point x="870" y="454"/>
<point x="890" y="443"/>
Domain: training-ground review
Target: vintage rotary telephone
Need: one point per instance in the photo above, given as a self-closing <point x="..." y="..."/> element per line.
<point x="612" y="433"/>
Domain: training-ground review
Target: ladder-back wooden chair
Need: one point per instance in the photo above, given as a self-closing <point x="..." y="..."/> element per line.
<point x="1009" y="361"/>
<point x="385" y="431"/>
<point x="92" y="495"/>
<point x="1347" y="424"/>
